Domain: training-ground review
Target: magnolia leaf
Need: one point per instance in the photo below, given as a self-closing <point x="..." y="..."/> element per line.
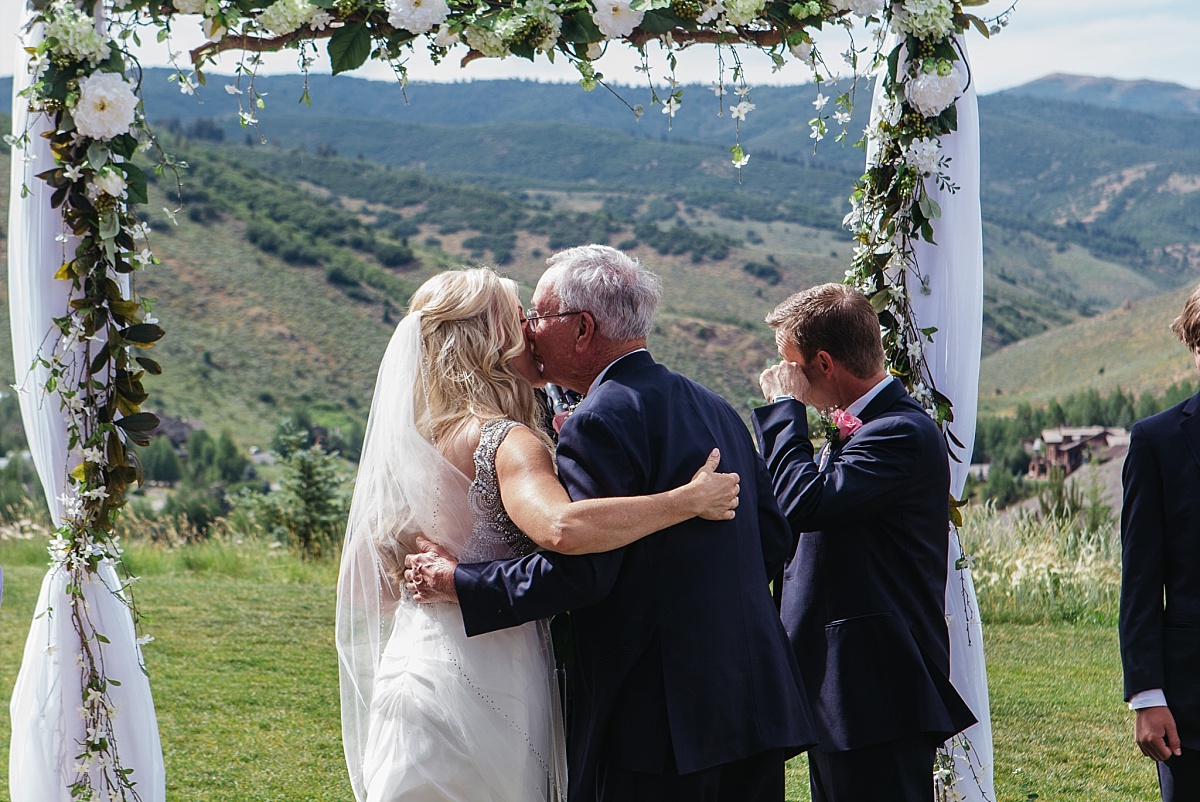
<point x="880" y="300"/>
<point x="100" y="360"/>
<point x="660" y="21"/>
<point x="135" y="183"/>
<point x="152" y="367"/>
<point x="142" y="333"/>
<point x="580" y="28"/>
<point x="110" y="224"/>
<point x="140" y="438"/>
<point x="97" y="154"/>
<point x="80" y="472"/>
<point x="349" y="47"/>
<point x="65" y="272"/>
<point x="139" y="422"/>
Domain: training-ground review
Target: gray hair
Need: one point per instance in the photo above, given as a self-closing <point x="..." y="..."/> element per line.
<point x="619" y="291"/>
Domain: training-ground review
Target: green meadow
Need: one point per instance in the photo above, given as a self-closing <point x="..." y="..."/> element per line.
<point x="244" y="675"/>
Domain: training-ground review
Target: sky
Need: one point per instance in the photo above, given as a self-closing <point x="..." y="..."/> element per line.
<point x="1127" y="39"/>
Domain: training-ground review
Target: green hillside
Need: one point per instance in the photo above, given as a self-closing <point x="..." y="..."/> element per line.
<point x="1130" y="347"/>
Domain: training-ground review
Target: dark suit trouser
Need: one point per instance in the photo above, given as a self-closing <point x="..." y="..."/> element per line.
<point x="896" y="771"/>
<point x="756" y="779"/>
<point x="1179" y="777"/>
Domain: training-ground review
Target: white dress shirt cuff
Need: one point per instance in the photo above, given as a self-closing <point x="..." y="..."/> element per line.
<point x="1151" y="698"/>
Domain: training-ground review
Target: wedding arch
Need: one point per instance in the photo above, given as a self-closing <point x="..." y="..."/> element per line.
<point x="82" y="335"/>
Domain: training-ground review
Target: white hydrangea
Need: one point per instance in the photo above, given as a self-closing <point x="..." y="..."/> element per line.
<point x="73" y="34"/>
<point x="616" y="18"/>
<point x="486" y="41"/>
<point x="924" y="18"/>
<point x="544" y="13"/>
<point x="931" y="94"/>
<point x="284" y="16"/>
<point x="106" y="105"/>
<point x="190" y="6"/>
<point x="445" y="37"/>
<point x="417" y="16"/>
<point x="742" y="12"/>
<point x="923" y="155"/>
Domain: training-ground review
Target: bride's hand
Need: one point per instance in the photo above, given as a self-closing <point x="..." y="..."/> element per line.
<point x="712" y="495"/>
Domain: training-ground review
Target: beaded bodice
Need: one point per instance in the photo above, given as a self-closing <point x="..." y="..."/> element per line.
<point x="494" y="536"/>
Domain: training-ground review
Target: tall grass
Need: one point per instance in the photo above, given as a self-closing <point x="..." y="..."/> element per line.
<point x="1032" y="569"/>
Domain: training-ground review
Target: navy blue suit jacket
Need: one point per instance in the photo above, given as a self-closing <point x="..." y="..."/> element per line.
<point x="864" y="595"/>
<point x="679" y="654"/>
<point x="1160" y="545"/>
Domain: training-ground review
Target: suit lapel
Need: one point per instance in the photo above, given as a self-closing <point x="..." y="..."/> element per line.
<point x="1191" y="425"/>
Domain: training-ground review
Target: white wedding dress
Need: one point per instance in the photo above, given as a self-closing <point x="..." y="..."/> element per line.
<point x="466" y="719"/>
<point x="428" y="714"/>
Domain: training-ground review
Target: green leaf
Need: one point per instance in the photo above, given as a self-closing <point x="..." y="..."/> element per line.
<point x="660" y="21"/>
<point x="580" y="28"/>
<point x="138" y="422"/>
<point x="151" y="367"/>
<point x="136" y="183"/>
<point x="349" y="47"/>
<point x="143" y="333"/>
<point x="97" y="154"/>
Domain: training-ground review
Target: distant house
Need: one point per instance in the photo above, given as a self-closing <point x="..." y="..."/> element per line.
<point x="1069" y="447"/>
<point x="177" y="430"/>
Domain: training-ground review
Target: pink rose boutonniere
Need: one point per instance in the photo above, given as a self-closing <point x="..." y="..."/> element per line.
<point x="839" y="425"/>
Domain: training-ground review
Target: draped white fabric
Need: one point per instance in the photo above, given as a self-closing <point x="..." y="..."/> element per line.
<point x="46" y="729"/>
<point x="954" y="304"/>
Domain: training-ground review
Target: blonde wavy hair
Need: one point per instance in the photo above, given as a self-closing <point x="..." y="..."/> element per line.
<point x="471" y="333"/>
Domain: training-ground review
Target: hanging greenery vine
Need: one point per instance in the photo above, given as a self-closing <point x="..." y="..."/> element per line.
<point x="80" y="85"/>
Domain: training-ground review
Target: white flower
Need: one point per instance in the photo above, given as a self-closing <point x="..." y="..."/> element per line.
<point x="190" y="6"/>
<point x="716" y="88"/>
<point x="804" y="51"/>
<point x="931" y="94"/>
<point x="106" y="105"/>
<point x="671" y="106"/>
<point x="866" y="8"/>
<point x="143" y="640"/>
<point x="320" y="21"/>
<point x="93" y="455"/>
<point x="841" y="117"/>
<point x="740" y="111"/>
<point x="72" y="172"/>
<point x="417" y="16"/>
<point x="140" y="230"/>
<point x="284" y="16"/>
<point x="72" y="33"/>
<point x="110" y="182"/>
<point x="820" y="102"/>
<point x="711" y="12"/>
<point x="616" y="18"/>
<point x="923" y="155"/>
<point x="446" y="37"/>
<point x="742" y="162"/>
<point x="742" y="12"/>
<point x="213" y="30"/>
<point x="924" y="18"/>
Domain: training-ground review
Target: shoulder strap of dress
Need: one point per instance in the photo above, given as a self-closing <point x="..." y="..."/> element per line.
<point x="491" y="435"/>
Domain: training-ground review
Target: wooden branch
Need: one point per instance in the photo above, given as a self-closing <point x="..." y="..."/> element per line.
<point x="257" y="44"/>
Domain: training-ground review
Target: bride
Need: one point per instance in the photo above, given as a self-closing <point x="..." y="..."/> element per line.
<point x="454" y="452"/>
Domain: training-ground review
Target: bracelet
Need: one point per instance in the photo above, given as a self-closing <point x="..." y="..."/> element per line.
<point x="785" y="396"/>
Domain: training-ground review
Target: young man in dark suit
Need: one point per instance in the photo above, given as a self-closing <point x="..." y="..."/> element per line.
<point x="864" y="594"/>
<point x="1160" y="546"/>
<point x="681" y="685"/>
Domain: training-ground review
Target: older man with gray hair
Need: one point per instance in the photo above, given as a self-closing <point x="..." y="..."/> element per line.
<point x="681" y="684"/>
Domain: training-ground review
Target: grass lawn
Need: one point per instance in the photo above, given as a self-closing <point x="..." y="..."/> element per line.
<point x="245" y="683"/>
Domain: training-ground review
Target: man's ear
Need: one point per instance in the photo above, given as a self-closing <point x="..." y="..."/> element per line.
<point x="585" y="332"/>
<point x="824" y="363"/>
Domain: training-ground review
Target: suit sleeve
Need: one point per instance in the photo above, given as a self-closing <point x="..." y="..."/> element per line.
<point x="778" y="542"/>
<point x="874" y="467"/>
<point x="1143" y="534"/>
<point x="592" y="463"/>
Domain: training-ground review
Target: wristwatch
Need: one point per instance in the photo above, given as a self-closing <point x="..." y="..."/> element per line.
<point x="782" y="397"/>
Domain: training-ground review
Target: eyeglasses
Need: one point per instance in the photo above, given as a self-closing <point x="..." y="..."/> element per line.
<point x="532" y="317"/>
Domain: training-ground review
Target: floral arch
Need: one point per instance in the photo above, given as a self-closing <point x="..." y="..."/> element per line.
<point x="80" y="104"/>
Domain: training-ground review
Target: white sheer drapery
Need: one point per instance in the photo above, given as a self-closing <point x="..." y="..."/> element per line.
<point x="952" y="301"/>
<point x="46" y="729"/>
